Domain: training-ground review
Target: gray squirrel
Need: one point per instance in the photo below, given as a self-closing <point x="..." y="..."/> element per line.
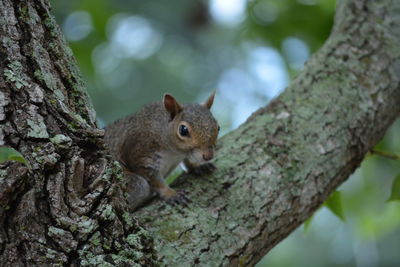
<point x="150" y="143"/>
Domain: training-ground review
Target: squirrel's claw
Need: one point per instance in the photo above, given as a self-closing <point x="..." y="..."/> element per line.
<point x="202" y="169"/>
<point x="179" y="198"/>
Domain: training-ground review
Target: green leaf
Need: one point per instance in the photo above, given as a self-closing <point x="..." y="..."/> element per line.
<point x="334" y="204"/>
<point x="395" y="195"/>
<point x="9" y="153"/>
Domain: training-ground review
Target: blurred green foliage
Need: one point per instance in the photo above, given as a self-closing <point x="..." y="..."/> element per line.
<point x="132" y="52"/>
<point x="395" y="195"/>
<point x="310" y="21"/>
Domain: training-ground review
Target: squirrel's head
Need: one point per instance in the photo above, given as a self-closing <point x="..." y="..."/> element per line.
<point x="193" y="128"/>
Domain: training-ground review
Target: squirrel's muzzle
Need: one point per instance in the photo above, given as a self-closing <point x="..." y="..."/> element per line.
<point x="208" y="154"/>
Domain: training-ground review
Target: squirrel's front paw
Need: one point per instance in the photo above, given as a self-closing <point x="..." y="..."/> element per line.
<point x="202" y="169"/>
<point x="173" y="198"/>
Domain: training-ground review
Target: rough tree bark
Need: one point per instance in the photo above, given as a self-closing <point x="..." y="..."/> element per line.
<point x="58" y="212"/>
<point x="273" y="171"/>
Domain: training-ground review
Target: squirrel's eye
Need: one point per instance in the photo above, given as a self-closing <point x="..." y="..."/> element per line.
<point x="183" y="130"/>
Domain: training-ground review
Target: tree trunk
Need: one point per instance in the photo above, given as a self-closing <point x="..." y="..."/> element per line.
<point x="273" y="171"/>
<point x="62" y="211"/>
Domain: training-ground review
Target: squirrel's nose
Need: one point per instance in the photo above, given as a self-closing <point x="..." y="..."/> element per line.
<point x="208" y="155"/>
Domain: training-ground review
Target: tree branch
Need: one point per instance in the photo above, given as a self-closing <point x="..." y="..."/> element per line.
<point x="279" y="166"/>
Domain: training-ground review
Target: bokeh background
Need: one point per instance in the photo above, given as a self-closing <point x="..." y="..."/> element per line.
<point x="132" y="52"/>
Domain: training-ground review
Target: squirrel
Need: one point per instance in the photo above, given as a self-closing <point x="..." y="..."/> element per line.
<point x="150" y="143"/>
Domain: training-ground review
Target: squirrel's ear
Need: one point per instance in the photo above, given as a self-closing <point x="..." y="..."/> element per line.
<point x="209" y="101"/>
<point x="171" y="105"/>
